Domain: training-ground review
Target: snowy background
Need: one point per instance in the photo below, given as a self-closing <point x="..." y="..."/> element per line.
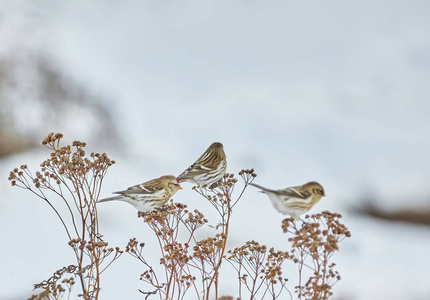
<point x="332" y="91"/>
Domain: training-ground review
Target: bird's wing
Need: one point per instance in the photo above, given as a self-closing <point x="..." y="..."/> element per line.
<point x="210" y="159"/>
<point x="194" y="170"/>
<point x="203" y="157"/>
<point x="199" y="169"/>
<point x="149" y="187"/>
<point x="293" y="193"/>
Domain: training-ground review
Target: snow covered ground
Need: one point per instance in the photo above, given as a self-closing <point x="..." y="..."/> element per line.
<point x="335" y="92"/>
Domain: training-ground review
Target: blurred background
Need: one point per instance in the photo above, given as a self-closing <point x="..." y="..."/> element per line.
<point x="336" y="92"/>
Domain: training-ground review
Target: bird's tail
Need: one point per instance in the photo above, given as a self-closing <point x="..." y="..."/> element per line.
<point x="109" y="199"/>
<point x="183" y="177"/>
<point x="262" y="188"/>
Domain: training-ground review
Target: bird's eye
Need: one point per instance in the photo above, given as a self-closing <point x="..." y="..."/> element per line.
<point x="321" y="192"/>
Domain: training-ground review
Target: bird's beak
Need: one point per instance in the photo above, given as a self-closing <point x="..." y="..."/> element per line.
<point x="180" y="188"/>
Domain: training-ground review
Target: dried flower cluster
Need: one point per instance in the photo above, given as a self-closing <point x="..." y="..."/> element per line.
<point x="188" y="264"/>
<point x="76" y="179"/>
<point x="313" y="245"/>
<point x="259" y="269"/>
<point x="54" y="290"/>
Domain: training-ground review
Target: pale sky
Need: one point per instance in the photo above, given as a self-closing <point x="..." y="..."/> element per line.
<point x="330" y="91"/>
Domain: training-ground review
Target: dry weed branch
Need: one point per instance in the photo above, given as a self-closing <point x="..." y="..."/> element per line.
<point x="313" y="245"/>
<point x="74" y="178"/>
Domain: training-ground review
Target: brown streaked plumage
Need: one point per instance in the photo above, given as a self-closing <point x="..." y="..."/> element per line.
<point x="296" y="200"/>
<point x="209" y="168"/>
<point x="149" y="195"/>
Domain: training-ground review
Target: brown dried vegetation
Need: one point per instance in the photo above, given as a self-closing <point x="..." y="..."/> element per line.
<point x="189" y="267"/>
<point x="193" y="266"/>
<point x="76" y="179"/>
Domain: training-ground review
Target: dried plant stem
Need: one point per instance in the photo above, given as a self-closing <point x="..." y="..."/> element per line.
<point x="76" y="180"/>
<point x="214" y="278"/>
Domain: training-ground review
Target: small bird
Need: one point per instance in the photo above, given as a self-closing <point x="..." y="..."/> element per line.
<point x="295" y="200"/>
<point x="208" y="168"/>
<point x="149" y="195"/>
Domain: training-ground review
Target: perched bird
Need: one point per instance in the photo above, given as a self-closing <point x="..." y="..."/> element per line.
<point x="149" y="195"/>
<point x="208" y="168"/>
<point x="295" y="200"/>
